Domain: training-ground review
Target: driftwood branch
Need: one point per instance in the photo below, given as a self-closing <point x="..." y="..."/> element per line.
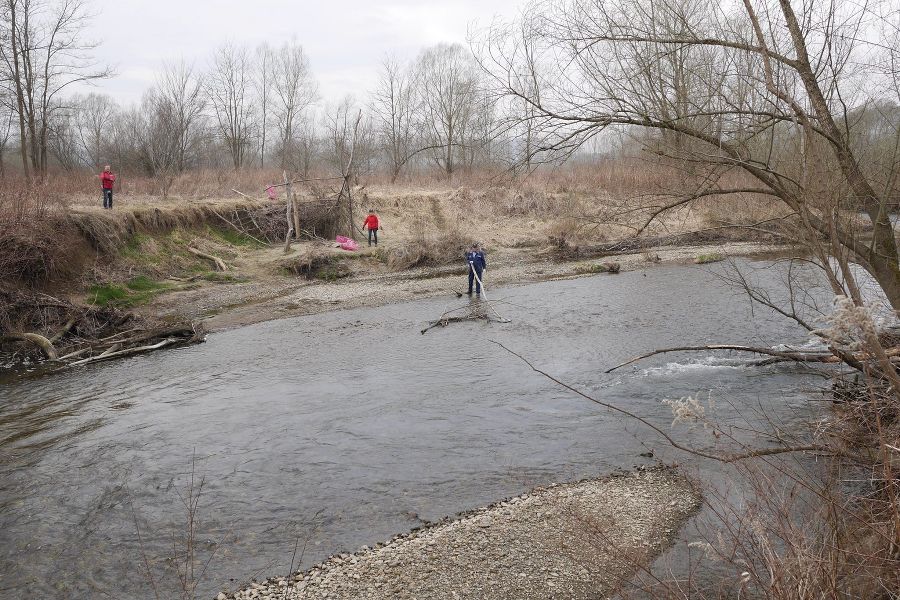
<point x="43" y="343"/>
<point x="218" y="262"/>
<point x="65" y="329"/>
<point x="783" y="355"/>
<point x="127" y="352"/>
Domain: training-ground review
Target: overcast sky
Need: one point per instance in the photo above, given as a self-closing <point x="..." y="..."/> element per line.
<point x="345" y="40"/>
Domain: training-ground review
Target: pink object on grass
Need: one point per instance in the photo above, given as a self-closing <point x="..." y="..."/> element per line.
<point x="347" y="243"/>
<point x="272" y="192"/>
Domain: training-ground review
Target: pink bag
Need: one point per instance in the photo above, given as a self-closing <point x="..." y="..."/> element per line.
<point x="272" y="192"/>
<point x="347" y="243"/>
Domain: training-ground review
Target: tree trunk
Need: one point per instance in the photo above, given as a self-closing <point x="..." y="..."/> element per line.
<point x="288" y="213"/>
<point x="20" y="96"/>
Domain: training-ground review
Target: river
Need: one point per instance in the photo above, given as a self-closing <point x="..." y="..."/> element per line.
<point x="343" y="428"/>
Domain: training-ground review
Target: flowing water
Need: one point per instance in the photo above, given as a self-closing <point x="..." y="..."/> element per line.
<point x="341" y="429"/>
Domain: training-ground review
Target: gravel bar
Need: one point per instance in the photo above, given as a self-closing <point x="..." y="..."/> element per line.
<point x="566" y="541"/>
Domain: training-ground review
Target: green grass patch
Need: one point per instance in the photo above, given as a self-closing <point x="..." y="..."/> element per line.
<point x="142" y="283"/>
<point x="107" y="294"/>
<point x="594" y="268"/>
<point x="703" y="259"/>
<point x="133" y="292"/>
<point x="235" y="238"/>
<point x="133" y="245"/>
<point x="217" y="277"/>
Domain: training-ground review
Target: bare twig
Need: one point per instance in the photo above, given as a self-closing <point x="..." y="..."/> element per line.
<point x="726" y="458"/>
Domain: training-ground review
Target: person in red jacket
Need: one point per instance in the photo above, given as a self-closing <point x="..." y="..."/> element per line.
<point x="107" y="179"/>
<point x="371" y="223"/>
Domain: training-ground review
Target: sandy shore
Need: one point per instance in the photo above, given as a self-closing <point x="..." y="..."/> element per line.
<point x="570" y="541"/>
<point x="263" y="299"/>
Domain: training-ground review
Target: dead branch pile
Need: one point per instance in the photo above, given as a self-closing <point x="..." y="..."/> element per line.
<point x="35" y="326"/>
<point x="631" y="245"/>
<point x="427" y="251"/>
<point x="478" y="309"/>
<point x="319" y="218"/>
<point x="318" y="263"/>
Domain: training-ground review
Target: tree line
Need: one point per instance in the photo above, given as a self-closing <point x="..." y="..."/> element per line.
<point x="242" y="107"/>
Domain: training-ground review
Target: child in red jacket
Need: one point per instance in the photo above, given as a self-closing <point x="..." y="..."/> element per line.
<point x="107" y="179"/>
<point x="371" y="223"/>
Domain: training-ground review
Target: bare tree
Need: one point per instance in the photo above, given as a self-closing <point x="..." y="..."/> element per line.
<point x="263" y="79"/>
<point x="46" y="55"/>
<point x="7" y="117"/>
<point x="11" y="53"/>
<point x="228" y="85"/>
<point x="394" y="103"/>
<point x="448" y="84"/>
<point x="94" y="116"/>
<point x="62" y="137"/>
<point x="295" y="90"/>
<point x="128" y="142"/>
<point x="752" y="92"/>
<point x="177" y="107"/>
<point x="306" y="144"/>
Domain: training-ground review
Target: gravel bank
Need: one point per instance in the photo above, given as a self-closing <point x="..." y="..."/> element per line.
<point x="552" y="542"/>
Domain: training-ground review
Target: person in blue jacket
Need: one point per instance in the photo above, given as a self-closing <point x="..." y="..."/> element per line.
<point x="477" y="265"/>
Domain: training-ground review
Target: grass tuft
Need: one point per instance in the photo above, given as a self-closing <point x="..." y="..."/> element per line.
<point x="712" y="257"/>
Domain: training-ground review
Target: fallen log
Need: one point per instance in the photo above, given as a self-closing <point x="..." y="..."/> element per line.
<point x="120" y="353"/>
<point x="218" y="262"/>
<point x="59" y="334"/>
<point x="76" y="353"/>
<point x="43" y="343"/>
<point x="786" y="356"/>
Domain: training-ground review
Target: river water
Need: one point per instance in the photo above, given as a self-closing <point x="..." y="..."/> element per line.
<point x="343" y="428"/>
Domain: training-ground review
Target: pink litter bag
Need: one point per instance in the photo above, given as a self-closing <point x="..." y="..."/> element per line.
<point x="272" y="192"/>
<point x="347" y="243"/>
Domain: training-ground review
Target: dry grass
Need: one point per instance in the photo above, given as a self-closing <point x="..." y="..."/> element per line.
<point x="428" y="251"/>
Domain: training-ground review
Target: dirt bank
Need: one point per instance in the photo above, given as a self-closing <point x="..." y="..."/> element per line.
<point x="571" y="541"/>
<point x="214" y="263"/>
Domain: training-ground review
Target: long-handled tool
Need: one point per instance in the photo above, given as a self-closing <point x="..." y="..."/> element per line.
<point x="484" y="294"/>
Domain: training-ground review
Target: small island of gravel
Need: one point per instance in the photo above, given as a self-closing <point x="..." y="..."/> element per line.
<point x="572" y="541"/>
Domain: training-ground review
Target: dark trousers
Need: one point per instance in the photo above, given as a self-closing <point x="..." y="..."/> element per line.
<point x="107" y="198"/>
<point x="373" y="233"/>
<point x="472" y="271"/>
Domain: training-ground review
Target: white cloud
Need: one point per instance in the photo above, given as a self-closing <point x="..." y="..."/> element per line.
<point x="345" y="40"/>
